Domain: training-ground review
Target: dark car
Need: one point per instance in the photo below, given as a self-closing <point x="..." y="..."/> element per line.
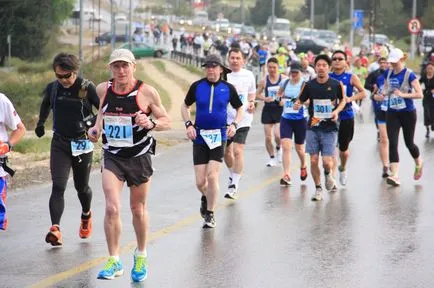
<point x="106" y="38"/>
<point x="312" y="44"/>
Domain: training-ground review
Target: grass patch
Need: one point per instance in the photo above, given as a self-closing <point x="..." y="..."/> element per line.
<point x="185" y="85"/>
<point x="33" y="145"/>
<point x="159" y="65"/>
<point x="193" y="69"/>
<point x="165" y="98"/>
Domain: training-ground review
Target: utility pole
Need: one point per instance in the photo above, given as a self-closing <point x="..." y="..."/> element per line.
<point x="413" y="36"/>
<point x="312" y="14"/>
<point x="80" y="37"/>
<point x="352" y="24"/>
<point x="112" y="20"/>
<point x="130" y="24"/>
<point x="99" y="26"/>
<point x="9" y="49"/>
<point x="338" y="11"/>
<point x="273" y="8"/>
<point x="242" y="12"/>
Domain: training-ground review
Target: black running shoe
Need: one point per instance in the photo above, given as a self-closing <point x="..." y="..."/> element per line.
<point x="385" y="172"/>
<point x="209" y="220"/>
<point x="203" y="206"/>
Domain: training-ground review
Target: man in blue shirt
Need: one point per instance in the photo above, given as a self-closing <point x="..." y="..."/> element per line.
<point x="209" y="132"/>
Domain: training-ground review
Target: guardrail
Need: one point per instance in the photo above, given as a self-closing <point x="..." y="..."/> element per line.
<point x="187" y="58"/>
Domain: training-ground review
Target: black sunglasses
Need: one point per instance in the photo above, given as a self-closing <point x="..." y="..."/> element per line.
<point x="64" y="76"/>
<point x="338" y="59"/>
<point x="211" y="65"/>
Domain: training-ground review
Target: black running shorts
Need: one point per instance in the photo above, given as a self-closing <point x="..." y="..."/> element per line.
<point x="135" y="170"/>
<point x="271" y="114"/>
<point x="240" y="136"/>
<point x="345" y="134"/>
<point x="202" y="154"/>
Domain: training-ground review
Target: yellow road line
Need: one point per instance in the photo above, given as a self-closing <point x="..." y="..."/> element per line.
<point x="49" y="281"/>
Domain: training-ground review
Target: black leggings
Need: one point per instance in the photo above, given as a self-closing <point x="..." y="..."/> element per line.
<point x="428" y="112"/>
<point x="394" y="122"/>
<point x="61" y="162"/>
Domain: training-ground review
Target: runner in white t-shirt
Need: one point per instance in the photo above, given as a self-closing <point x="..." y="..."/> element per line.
<point x="9" y="119"/>
<point x="244" y="82"/>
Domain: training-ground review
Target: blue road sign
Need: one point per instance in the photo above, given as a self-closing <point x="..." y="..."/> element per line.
<point x="357" y="19"/>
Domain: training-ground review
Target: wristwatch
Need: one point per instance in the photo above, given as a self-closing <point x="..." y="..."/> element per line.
<point x="153" y="123"/>
<point x="188" y="124"/>
<point x="10" y="145"/>
<point x="235" y="125"/>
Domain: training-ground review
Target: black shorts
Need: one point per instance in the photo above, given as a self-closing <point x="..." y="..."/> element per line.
<point x="202" y="154"/>
<point x="135" y="170"/>
<point x="345" y="133"/>
<point x="240" y="136"/>
<point x="380" y="117"/>
<point x="271" y="114"/>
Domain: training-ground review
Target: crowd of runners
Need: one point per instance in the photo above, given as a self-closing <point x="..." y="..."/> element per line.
<point x="310" y="102"/>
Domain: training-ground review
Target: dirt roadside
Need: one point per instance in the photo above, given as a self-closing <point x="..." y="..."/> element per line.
<point x="34" y="169"/>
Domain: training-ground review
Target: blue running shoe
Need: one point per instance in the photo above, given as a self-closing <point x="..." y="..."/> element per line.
<point x="140" y="269"/>
<point x="113" y="268"/>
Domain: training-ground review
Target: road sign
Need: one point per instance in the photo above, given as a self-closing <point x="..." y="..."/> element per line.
<point x="414" y="26"/>
<point x="357" y="19"/>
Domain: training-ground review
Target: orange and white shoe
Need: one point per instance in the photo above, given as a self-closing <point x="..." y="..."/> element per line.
<point x="85" y="227"/>
<point x="54" y="237"/>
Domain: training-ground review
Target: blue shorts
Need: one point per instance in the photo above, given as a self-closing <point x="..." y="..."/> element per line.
<point x="3" y="194"/>
<point x="296" y="127"/>
<point x="320" y="141"/>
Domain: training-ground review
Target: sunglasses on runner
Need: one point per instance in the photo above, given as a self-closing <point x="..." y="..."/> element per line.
<point x="338" y="59"/>
<point x="64" y="76"/>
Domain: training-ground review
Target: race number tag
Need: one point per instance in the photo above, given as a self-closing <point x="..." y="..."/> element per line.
<point x="79" y="147"/>
<point x="118" y="131"/>
<point x="288" y="107"/>
<point x="384" y="103"/>
<point x="213" y="138"/>
<point x="322" y="108"/>
<point x="272" y="92"/>
<point x="397" y="102"/>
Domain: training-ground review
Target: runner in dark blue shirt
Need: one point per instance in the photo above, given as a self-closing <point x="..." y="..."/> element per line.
<point x="209" y="132"/>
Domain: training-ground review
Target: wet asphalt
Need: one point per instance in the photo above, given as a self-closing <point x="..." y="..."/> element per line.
<point x="364" y="235"/>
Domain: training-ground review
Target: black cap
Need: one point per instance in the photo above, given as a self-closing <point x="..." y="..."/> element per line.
<point x="296" y="66"/>
<point x="214" y="59"/>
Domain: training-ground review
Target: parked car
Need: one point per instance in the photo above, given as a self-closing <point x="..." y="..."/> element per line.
<point x="313" y="44"/>
<point x="235" y="28"/>
<point x="379" y="38"/>
<point x="304" y="32"/>
<point x="328" y="36"/>
<point x="425" y="41"/>
<point x="248" y="31"/>
<point x="106" y="38"/>
<point x="287" y="42"/>
<point x="143" y="50"/>
<point x="222" y="25"/>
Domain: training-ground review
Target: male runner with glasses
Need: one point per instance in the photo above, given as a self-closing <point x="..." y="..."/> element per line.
<point x="210" y="132"/>
<point x="71" y="98"/>
<point x="346" y="117"/>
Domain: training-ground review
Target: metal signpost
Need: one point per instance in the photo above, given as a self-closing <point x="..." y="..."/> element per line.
<point x="414" y="27"/>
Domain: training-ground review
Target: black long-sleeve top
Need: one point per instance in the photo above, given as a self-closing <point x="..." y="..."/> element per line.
<point x="69" y="109"/>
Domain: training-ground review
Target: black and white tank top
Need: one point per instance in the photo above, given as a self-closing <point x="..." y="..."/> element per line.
<point x="121" y="135"/>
